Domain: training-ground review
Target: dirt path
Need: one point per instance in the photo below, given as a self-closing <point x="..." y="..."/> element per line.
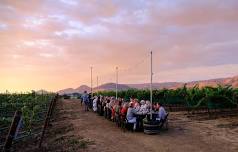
<point x="76" y="130"/>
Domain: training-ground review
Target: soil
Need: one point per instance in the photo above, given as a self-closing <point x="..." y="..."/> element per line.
<point x="76" y="130"/>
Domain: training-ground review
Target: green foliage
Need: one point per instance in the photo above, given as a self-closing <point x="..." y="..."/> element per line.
<point x="210" y="97"/>
<point x="31" y="104"/>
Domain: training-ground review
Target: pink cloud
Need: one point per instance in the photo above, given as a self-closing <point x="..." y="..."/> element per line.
<point x="62" y="39"/>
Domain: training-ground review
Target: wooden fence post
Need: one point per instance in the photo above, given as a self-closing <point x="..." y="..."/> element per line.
<point x="47" y="118"/>
<point x="53" y="105"/>
<point x="12" y="132"/>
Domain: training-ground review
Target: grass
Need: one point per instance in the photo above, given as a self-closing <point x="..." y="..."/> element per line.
<point x="73" y="143"/>
<point x="80" y="143"/>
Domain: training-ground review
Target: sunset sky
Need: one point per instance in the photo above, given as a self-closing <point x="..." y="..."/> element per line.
<point x="51" y="44"/>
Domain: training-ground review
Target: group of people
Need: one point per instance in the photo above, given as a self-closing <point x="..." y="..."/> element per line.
<point x="133" y="111"/>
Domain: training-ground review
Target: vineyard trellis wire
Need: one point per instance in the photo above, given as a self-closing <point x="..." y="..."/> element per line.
<point x="33" y="108"/>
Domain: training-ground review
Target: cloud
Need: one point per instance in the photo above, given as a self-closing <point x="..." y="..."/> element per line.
<point x="3" y="26"/>
<point x="64" y="38"/>
<point x="197" y="73"/>
<point x="69" y="2"/>
<point x="79" y="29"/>
<point x="189" y="13"/>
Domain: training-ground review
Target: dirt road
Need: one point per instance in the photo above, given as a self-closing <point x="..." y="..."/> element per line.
<point x="76" y="130"/>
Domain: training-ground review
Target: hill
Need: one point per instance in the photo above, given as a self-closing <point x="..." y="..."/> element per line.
<point x="66" y="91"/>
<point x="111" y="86"/>
<point x="82" y="88"/>
<point x="233" y="81"/>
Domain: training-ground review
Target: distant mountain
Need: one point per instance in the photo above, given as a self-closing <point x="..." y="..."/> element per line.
<point x="111" y="86"/>
<point x="233" y="81"/>
<point x="82" y="88"/>
<point x="66" y="91"/>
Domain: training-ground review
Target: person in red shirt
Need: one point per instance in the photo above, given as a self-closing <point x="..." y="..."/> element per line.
<point x="124" y="111"/>
<point x="113" y="113"/>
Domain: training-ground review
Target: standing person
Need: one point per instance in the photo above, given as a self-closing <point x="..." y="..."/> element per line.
<point x="85" y="99"/>
<point x="90" y="101"/>
<point x="95" y="100"/>
<point x="81" y="97"/>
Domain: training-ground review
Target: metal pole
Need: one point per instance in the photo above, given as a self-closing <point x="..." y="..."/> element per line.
<point x="151" y="78"/>
<point x="97" y="86"/>
<point x="91" y="81"/>
<point x="116" y="81"/>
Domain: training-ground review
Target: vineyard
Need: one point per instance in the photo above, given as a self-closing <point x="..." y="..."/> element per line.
<point x="187" y="99"/>
<point x="32" y="110"/>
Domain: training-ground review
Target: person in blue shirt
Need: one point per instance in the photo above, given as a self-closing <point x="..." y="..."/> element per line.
<point x="161" y="112"/>
<point x="85" y="99"/>
<point x="131" y="112"/>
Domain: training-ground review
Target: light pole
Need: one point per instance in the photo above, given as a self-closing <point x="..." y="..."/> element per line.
<point x="91" y="81"/>
<point x="97" y="86"/>
<point x="151" y="79"/>
<point x="116" y="81"/>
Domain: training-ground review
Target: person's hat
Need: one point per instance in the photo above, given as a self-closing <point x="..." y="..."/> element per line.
<point x="142" y="101"/>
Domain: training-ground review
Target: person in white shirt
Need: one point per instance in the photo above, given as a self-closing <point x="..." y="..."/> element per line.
<point x="143" y="107"/>
<point x="95" y="103"/>
<point x="148" y="106"/>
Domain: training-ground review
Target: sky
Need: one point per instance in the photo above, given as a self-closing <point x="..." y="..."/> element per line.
<point x="51" y="44"/>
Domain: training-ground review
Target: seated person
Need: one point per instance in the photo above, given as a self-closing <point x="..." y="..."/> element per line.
<point x="131" y="115"/>
<point x="113" y="109"/>
<point x="143" y="108"/>
<point x="137" y="106"/>
<point x="148" y="107"/>
<point x="161" y="112"/>
<point x="117" y="108"/>
<point x="123" y="111"/>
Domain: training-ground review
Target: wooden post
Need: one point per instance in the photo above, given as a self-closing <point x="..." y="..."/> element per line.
<point x="47" y="118"/>
<point x="12" y="131"/>
<point x="53" y="106"/>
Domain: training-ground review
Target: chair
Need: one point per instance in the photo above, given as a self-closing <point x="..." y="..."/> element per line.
<point x="123" y="122"/>
<point x="129" y="125"/>
<point x="164" y="122"/>
<point x="117" y="119"/>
